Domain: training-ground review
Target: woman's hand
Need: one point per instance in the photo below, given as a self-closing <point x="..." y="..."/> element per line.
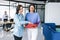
<point x="30" y="23"/>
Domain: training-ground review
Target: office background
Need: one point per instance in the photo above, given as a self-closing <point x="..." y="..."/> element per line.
<point x="49" y="11"/>
<point x="10" y="7"/>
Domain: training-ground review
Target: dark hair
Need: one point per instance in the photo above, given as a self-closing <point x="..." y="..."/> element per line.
<point x="33" y="6"/>
<point x="18" y="8"/>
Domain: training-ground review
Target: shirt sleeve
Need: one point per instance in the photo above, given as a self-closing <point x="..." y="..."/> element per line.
<point x="17" y="22"/>
<point x="38" y="18"/>
<point x="24" y="22"/>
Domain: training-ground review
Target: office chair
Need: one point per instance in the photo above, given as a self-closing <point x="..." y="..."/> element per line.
<point x="50" y="33"/>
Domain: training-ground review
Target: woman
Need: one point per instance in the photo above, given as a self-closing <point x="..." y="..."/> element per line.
<point x="33" y="17"/>
<point x="19" y="22"/>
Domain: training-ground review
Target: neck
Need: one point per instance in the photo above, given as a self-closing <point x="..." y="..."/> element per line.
<point x="31" y="11"/>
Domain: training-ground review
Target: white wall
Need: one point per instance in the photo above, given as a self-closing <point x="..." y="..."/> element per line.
<point x="52" y="13"/>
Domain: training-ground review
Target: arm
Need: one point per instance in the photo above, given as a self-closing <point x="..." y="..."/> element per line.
<point x="16" y="20"/>
<point x="38" y="19"/>
<point x="24" y="22"/>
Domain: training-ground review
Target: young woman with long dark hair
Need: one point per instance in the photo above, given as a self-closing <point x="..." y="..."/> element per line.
<point x="19" y="23"/>
<point x="34" y="18"/>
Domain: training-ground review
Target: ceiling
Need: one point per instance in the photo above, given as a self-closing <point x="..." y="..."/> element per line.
<point x="28" y="1"/>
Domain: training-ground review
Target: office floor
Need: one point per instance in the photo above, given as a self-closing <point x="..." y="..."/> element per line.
<point x="9" y="36"/>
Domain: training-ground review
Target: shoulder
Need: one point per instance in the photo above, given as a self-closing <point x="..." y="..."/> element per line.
<point x="27" y="14"/>
<point x="15" y="15"/>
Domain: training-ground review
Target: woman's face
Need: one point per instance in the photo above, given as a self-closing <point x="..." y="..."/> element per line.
<point x="21" y="10"/>
<point x="32" y="8"/>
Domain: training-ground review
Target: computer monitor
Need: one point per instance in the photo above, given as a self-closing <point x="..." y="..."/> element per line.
<point x="11" y="20"/>
<point x="5" y="20"/>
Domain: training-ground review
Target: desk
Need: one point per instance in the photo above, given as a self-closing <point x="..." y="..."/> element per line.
<point x="8" y="22"/>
